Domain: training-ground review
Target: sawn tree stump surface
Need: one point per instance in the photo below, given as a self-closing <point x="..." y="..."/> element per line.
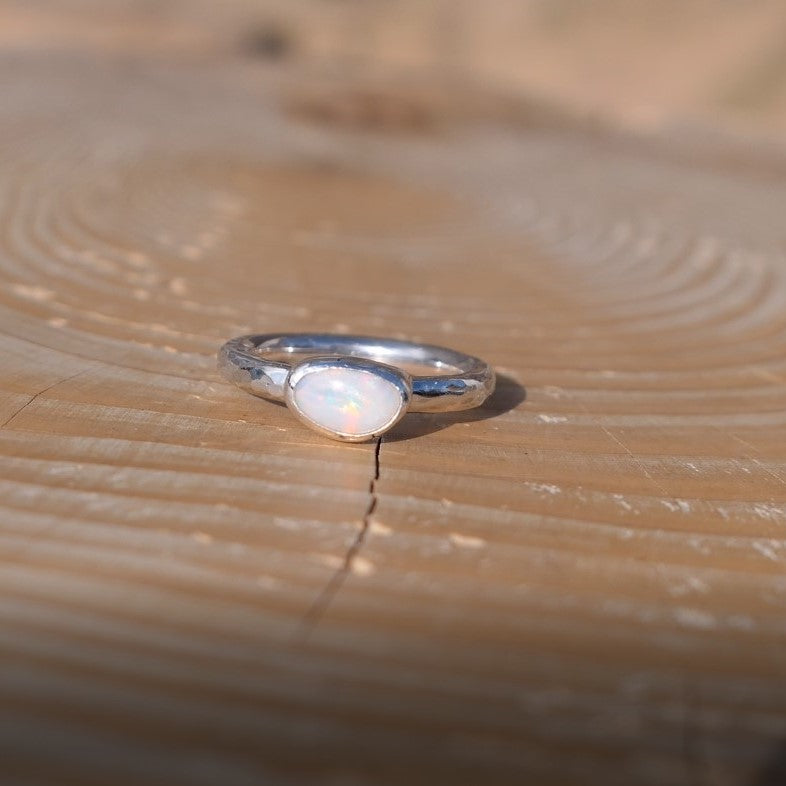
<point x="582" y="582"/>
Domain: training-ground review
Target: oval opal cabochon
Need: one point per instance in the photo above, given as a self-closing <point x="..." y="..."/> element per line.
<point x="347" y="400"/>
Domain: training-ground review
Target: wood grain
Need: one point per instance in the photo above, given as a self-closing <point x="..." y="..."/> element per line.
<point x="582" y="582"/>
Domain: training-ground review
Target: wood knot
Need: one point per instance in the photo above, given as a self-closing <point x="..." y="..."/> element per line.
<point x="365" y="108"/>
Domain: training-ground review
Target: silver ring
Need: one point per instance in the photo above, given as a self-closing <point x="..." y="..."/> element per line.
<point x="354" y="388"/>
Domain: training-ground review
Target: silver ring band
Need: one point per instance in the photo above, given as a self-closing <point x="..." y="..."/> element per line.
<point x="365" y="384"/>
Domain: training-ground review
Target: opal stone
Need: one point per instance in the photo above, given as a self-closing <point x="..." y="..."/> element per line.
<point x="347" y="400"/>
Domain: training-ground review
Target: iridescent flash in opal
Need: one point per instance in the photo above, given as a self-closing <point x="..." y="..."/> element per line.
<point x="347" y="401"/>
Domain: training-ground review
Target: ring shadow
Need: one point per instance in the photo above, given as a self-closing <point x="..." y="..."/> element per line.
<point x="507" y="395"/>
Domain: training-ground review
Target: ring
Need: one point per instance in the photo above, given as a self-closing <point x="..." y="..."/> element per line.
<point x="354" y="388"/>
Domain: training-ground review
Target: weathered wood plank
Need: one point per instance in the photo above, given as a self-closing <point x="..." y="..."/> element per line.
<point x="581" y="582"/>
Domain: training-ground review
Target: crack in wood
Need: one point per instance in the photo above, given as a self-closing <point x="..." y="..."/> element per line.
<point x="40" y="393"/>
<point x="313" y="616"/>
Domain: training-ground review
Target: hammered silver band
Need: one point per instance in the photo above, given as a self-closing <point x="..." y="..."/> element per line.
<point x="271" y="366"/>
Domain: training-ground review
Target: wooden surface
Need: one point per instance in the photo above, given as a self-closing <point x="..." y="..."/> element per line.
<point x="583" y="582"/>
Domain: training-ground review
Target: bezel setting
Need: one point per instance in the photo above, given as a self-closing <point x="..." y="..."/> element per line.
<point x="399" y="380"/>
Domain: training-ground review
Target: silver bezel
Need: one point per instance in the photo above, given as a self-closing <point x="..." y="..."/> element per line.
<point x="396" y="377"/>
